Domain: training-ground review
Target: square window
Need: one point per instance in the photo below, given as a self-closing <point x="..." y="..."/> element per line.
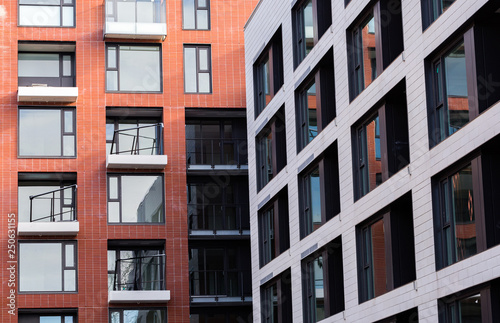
<point x="315" y="102"/>
<point x="274" y="231"/>
<point x="374" y="41"/>
<point x="380" y="142"/>
<point x="432" y="9"/>
<point x="47" y="267"/>
<point x="197" y="69"/>
<point x="47" y="132"/>
<point x="268" y="72"/>
<point x="137" y="315"/>
<point x="323" y="282"/>
<point x="47" y="13"/>
<point x="319" y="191"/>
<point x="133" y="68"/>
<point x="276" y="299"/>
<point x="137" y="198"/>
<point x="310" y="20"/>
<point x="270" y="144"/>
<point x="385" y="250"/>
<point x="196" y="14"/>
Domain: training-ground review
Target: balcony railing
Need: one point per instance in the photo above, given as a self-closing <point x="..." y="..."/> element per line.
<point x="139" y="273"/>
<point x="143" y="140"/>
<point x="214" y="152"/>
<point x="218" y="217"/>
<point x="220" y="283"/>
<point x="54" y="206"/>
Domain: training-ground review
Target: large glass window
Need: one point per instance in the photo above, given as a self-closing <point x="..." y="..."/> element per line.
<point x="197" y="69"/>
<point x="196" y="14"/>
<point x="47" y="13"/>
<point x="135" y="199"/>
<point x="276" y="299"/>
<point x="135" y="315"/>
<point x="133" y="68"/>
<point x="47" y="132"/>
<point x="46" y="69"/>
<point x="47" y="267"/>
<point x="48" y="316"/>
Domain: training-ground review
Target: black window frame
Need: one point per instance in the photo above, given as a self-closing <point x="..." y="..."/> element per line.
<point x="119" y="197"/>
<point x="272" y="55"/>
<point x="120" y="310"/>
<point x="117" y="68"/>
<point x="196" y="8"/>
<point x="399" y="248"/>
<point x="276" y="128"/>
<point x="28" y="315"/>
<point x="61" y="5"/>
<point x="63" y="243"/>
<point x="392" y="115"/>
<point x="63" y="132"/>
<point x="327" y="166"/>
<point x="277" y="293"/>
<point x="324" y="81"/>
<point x="62" y="80"/>
<point x="431" y="11"/>
<point x="199" y="71"/>
<point x="389" y="42"/>
<point x="333" y="281"/>
<point x="408" y="316"/>
<point x="274" y="230"/>
<point x="322" y="20"/>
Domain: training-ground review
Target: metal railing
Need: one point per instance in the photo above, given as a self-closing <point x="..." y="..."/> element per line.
<point x="220" y="283"/>
<point x="140" y="273"/>
<point x="218" y="217"/>
<point x="216" y="152"/>
<point x="143" y="140"/>
<point x="54" y="206"/>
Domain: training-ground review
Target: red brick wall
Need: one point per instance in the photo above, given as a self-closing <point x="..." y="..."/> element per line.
<point x="226" y="38"/>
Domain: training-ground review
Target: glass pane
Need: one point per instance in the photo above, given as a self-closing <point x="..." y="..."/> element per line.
<point x="113" y="187"/>
<point x="456" y="89"/>
<point x="140" y="68"/>
<point x="312" y="120"/>
<point x="267" y="81"/>
<point x="112" y="80"/>
<point x="70" y="255"/>
<point x="142" y="198"/>
<point x="268" y="157"/>
<point x="190" y="70"/>
<point x="67" y="69"/>
<point x="40" y="2"/>
<point x="111" y="260"/>
<point x="369" y="53"/>
<point x="203" y="59"/>
<point x="39" y="15"/>
<point x="111" y="57"/>
<point x="69" y="146"/>
<point x="39" y="132"/>
<point x="68" y="319"/>
<point x="38" y="65"/>
<point x="145" y="12"/>
<point x="68" y="17"/>
<point x="374" y="162"/>
<point x="308" y="27"/>
<point x="40" y="267"/>
<point x="319" y="291"/>
<point x="143" y="316"/>
<point x="470" y="309"/>
<point x="315" y="199"/>
<point x="463" y="213"/>
<point x="204" y="79"/>
<point x="68" y="121"/>
<point x="113" y="212"/>
<point x="378" y="257"/>
<point x="110" y="131"/>
<point x="115" y="317"/>
<point x="41" y="207"/>
<point x="188" y="14"/>
<point x="202" y="3"/>
<point x="125" y="11"/>
<point x="50" y="319"/>
<point x="70" y="280"/>
<point x="202" y="16"/>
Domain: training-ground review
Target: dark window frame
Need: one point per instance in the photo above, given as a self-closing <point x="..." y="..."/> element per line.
<point x="431" y="11"/>
<point x="30" y="314"/>
<point x="63" y="132"/>
<point x="196" y="8"/>
<point x="120" y="310"/>
<point x="117" y="68"/>
<point x="63" y="243"/>
<point x="61" y="5"/>
<point x="119" y="197"/>
<point x="283" y="286"/>
<point x="278" y="223"/>
<point x="199" y="71"/>
<point x="61" y="79"/>
<point x="408" y="316"/>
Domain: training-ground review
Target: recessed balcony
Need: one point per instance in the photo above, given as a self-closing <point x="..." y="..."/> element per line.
<point x="137" y="148"/>
<point x="216" y="154"/>
<point x="135" y="19"/>
<point x="52" y="213"/>
<point x="218" y="220"/>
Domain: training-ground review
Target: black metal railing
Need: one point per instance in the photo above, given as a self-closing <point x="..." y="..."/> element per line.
<point x="220" y="283"/>
<point x="216" y="152"/>
<point x="143" y="140"/>
<point x="218" y="217"/>
<point x="54" y="206"/>
<point x="140" y="273"/>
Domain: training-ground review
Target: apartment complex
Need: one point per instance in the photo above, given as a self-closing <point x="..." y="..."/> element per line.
<point x="124" y="190"/>
<point x="374" y="148"/>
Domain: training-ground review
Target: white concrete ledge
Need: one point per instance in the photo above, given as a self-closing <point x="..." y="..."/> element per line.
<point x="136" y="161"/>
<point x="131" y="30"/>
<point x="63" y="228"/>
<point x="47" y="94"/>
<point x="139" y="296"/>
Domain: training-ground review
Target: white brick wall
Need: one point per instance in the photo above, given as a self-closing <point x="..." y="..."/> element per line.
<point x="429" y="285"/>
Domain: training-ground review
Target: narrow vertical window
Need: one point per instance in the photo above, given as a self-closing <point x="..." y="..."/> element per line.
<point x="196" y="14"/>
<point x="197" y="69"/>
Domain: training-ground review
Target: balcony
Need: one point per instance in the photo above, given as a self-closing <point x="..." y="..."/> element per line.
<point x="135" y="19"/>
<point x="52" y="213"/>
<point x="217" y="154"/>
<point x="139" y="280"/>
<point x="220" y="286"/>
<point x="137" y="148"/>
<point x="221" y="220"/>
